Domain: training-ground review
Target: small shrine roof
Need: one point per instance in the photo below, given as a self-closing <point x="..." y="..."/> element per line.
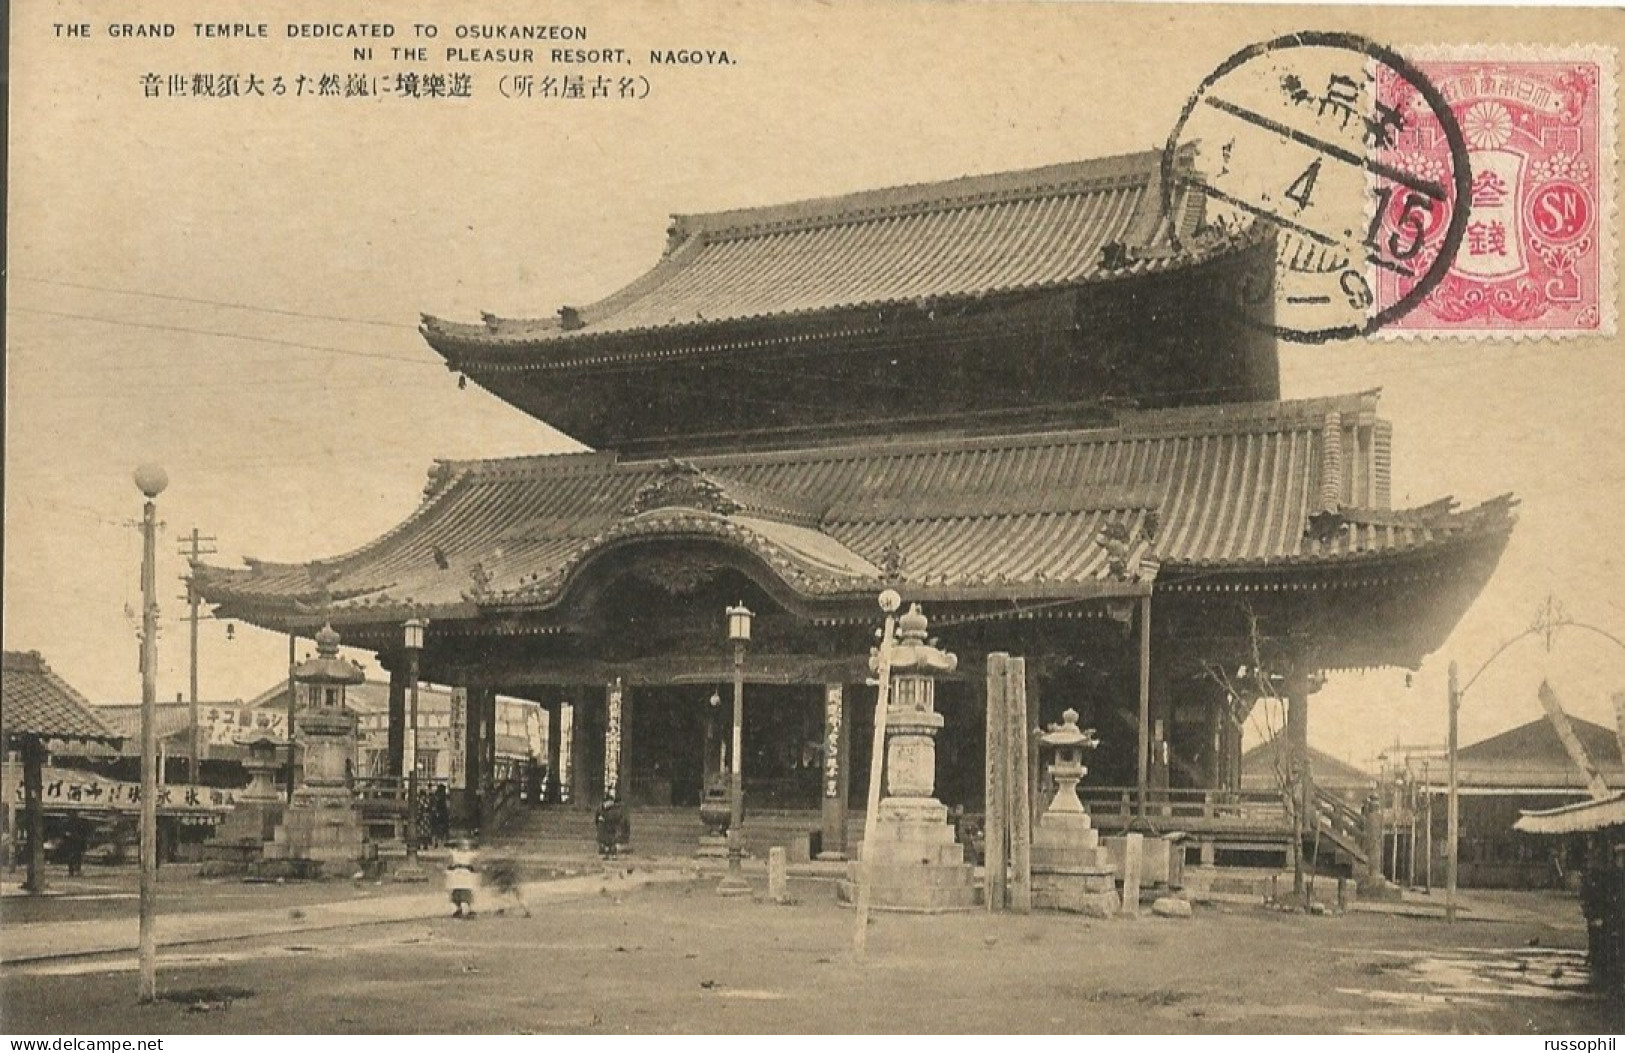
<point x="40" y="704"/>
<point x="977" y="236"/>
<point x="1582" y="817"/>
<point x="1235" y="487"/>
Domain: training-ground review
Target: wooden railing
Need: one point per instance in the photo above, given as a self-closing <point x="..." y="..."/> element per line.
<point x="1194" y="811"/>
<point x="1343" y="822"/>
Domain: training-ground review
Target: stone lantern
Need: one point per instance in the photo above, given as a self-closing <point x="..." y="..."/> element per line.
<point x="323" y="823"/>
<point x="253" y="818"/>
<point x="1071" y="870"/>
<point x="917" y="865"/>
<point x="261" y="764"/>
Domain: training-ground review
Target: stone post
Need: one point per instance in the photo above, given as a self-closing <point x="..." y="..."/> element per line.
<point x="1132" y="862"/>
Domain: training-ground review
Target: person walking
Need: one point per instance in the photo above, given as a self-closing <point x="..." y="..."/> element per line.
<point x="75" y="840"/>
<point x="461" y="878"/>
<point x="440" y="815"/>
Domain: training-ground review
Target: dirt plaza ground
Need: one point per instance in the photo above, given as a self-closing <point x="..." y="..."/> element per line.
<point x="607" y="955"/>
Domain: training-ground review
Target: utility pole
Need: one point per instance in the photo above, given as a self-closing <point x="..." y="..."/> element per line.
<point x="1452" y="815"/>
<point x="293" y="708"/>
<point x="192" y="549"/>
<point x="151" y="480"/>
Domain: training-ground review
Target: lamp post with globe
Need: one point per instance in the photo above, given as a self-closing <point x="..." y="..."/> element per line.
<point x="151" y="480"/>
<point x="734" y="884"/>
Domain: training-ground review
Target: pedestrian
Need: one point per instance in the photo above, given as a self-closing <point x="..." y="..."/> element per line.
<point x="614" y="827"/>
<point x="74" y="842"/>
<point x="461" y="879"/>
<point x="440" y="815"/>
<point x="504" y="878"/>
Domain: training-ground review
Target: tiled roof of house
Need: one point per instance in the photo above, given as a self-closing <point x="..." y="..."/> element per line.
<point x="1264" y="764"/>
<point x="1236" y="486"/>
<point x="1531" y="756"/>
<point x="40" y="704"/>
<point x="977" y="236"/>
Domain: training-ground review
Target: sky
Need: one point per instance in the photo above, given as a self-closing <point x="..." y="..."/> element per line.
<point x="230" y="287"/>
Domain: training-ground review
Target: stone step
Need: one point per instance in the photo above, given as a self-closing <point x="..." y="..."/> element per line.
<point x="914" y="854"/>
<point x="915" y="898"/>
<point x="896" y="874"/>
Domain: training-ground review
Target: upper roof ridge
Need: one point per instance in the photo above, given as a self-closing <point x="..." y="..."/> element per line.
<point x="1069" y="176"/>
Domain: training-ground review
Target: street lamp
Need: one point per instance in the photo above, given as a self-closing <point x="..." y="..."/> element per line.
<point x="151" y="480"/>
<point x="733" y="884"/>
<point x="414" y="647"/>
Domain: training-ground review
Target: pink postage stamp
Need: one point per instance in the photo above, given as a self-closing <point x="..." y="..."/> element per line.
<point x="1536" y="258"/>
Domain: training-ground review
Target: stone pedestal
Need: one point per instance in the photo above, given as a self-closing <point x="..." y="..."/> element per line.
<point x="1071" y="869"/>
<point x="249" y="823"/>
<point x="917" y="864"/>
<point x="326" y="832"/>
<point x="323" y="823"/>
<point x="914" y="863"/>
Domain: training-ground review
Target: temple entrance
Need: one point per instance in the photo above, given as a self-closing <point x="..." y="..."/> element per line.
<point x="783" y="744"/>
<point x="666" y="741"/>
<point x="677" y="736"/>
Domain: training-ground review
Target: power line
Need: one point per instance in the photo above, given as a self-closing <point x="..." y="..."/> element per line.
<point x="218" y="303"/>
<point x="228" y="336"/>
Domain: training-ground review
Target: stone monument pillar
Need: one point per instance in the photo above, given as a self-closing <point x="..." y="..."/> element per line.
<point x="323" y="823"/>
<point x="1071" y="870"/>
<point x="917" y="865"/>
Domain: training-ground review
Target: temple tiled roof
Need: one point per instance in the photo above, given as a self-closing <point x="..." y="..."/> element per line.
<point x="40" y="704"/>
<point x="1235" y="487"/>
<point x="978" y="236"/>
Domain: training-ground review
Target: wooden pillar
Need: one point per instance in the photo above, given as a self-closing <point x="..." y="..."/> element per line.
<point x="1021" y="826"/>
<point x="473" y="758"/>
<point x="34" y="811"/>
<point x="996" y="798"/>
<point x="1213" y="742"/>
<point x="582" y="790"/>
<point x="555" y="758"/>
<point x="1143" y="735"/>
<point x="1297" y="741"/>
<point x="1037" y="795"/>
<point x="837" y="755"/>
<point x="396" y="743"/>
<point x="1161" y="703"/>
<point x="489" y="697"/>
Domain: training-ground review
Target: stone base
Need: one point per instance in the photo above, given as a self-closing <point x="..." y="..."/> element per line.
<point x="916" y="863"/>
<point x="1066" y="843"/>
<point x="1384" y="889"/>
<point x="712" y="846"/>
<point x="325" y="832"/>
<point x="1162" y="863"/>
<point x="250" y="822"/>
<point x="1092" y="894"/>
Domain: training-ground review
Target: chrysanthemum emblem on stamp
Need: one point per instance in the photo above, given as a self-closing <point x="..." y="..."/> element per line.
<point x="1537" y="255"/>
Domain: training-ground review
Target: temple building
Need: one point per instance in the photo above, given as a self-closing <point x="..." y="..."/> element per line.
<point x="1026" y="401"/>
